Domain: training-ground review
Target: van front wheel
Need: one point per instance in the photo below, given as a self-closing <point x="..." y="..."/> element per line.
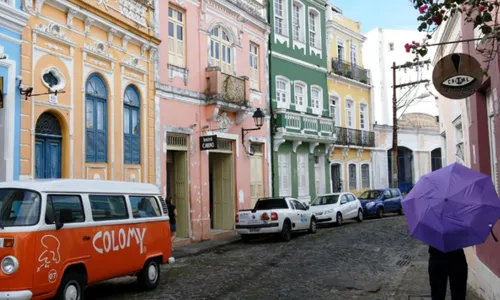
<point x="149" y="277"/>
<point x="72" y="287"/>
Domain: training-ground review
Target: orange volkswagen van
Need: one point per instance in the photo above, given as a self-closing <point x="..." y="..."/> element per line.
<point x="59" y="236"/>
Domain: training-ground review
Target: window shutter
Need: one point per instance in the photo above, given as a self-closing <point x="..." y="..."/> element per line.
<point x="180" y="53"/>
<point x="89" y="149"/>
<point x="136" y="149"/>
<point x="171" y="51"/>
<point x="126" y="148"/>
<point x="102" y="145"/>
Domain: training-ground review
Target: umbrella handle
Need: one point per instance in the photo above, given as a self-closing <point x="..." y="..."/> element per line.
<point x="492" y="233"/>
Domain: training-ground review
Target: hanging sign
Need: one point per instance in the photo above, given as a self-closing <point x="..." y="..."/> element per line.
<point x="1" y="92"/>
<point x="457" y="76"/>
<point x="208" y="142"/>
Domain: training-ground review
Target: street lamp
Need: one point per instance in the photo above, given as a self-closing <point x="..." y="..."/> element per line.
<point x="258" y="118"/>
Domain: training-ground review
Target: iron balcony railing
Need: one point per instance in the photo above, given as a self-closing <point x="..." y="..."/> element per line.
<point x="354" y="137"/>
<point x="352" y="71"/>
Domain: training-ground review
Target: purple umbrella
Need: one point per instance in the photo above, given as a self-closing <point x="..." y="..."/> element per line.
<point x="452" y="208"/>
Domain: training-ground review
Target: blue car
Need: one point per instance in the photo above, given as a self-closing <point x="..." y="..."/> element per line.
<point x="378" y="202"/>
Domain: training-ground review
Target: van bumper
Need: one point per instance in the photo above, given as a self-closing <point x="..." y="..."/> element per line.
<point x="17" y="295"/>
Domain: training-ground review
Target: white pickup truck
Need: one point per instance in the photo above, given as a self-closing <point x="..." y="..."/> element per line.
<point x="276" y="215"/>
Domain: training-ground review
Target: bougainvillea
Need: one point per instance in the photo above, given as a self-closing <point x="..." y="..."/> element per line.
<point x="434" y="12"/>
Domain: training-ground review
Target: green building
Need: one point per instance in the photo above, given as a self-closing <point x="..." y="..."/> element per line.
<point x="302" y="129"/>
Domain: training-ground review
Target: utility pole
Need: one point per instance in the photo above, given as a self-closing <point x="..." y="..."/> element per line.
<point x="395" y="114"/>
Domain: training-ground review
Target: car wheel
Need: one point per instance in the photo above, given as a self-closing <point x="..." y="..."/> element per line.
<point x="313" y="226"/>
<point x="72" y="287"/>
<point x="359" y="218"/>
<point x="246" y="238"/>
<point x="286" y="232"/>
<point x="339" y="219"/>
<point x="149" y="277"/>
<point x="380" y="212"/>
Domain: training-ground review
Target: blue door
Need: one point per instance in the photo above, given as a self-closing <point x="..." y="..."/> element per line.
<point x="48" y="147"/>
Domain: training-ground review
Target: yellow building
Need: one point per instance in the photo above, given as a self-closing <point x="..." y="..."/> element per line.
<point x="350" y="105"/>
<point x="99" y="56"/>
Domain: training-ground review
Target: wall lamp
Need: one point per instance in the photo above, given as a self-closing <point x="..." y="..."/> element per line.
<point x="258" y="118"/>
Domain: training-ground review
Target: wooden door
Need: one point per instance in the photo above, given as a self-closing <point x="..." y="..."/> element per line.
<point x="256" y="178"/>
<point x="181" y="194"/>
<point x="223" y="191"/>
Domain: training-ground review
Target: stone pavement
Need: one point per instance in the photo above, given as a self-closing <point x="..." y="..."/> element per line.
<point x="205" y="246"/>
<point x="414" y="285"/>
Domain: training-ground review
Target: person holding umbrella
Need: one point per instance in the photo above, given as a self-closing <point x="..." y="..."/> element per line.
<point x="451" y="209"/>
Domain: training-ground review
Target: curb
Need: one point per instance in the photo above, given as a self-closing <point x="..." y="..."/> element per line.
<point x="184" y="253"/>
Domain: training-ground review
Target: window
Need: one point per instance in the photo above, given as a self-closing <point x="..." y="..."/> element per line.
<point x="300" y="96"/>
<point x="144" y="207"/>
<point x="391" y="46"/>
<point x="131" y="126"/>
<point x="363" y="122"/>
<point x="340" y="49"/>
<point x="334" y="110"/>
<point x="108" y="207"/>
<point x="492" y="138"/>
<point x="254" y="66"/>
<point x="349" y="114"/>
<point x="96" y="105"/>
<point x="352" y="177"/>
<point x="314" y="27"/>
<point x="280" y="17"/>
<point x="282" y="92"/>
<point x="316" y="100"/>
<point x="299" y="205"/>
<point x="176" y="38"/>
<point x="387" y="194"/>
<point x="354" y="55"/>
<point x="220" y="50"/>
<point x="19" y="207"/>
<point x="395" y="193"/>
<point x="64" y="208"/>
<point x="350" y="197"/>
<point x="303" y="173"/>
<point x="284" y="172"/>
<point x="298" y="22"/>
<point x="365" y="176"/>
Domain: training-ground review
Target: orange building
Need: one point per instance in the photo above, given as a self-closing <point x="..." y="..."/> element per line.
<point x="99" y="56"/>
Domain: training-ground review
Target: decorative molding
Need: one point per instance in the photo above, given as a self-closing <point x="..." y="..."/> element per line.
<point x="298" y="62"/>
<point x="111" y="35"/>
<point x="241" y="116"/>
<point x="88" y="23"/>
<point x="125" y="40"/>
<point x="359" y="153"/>
<point x="53" y="47"/>
<point x="277" y="143"/>
<point x="144" y="48"/>
<point x="180" y="3"/>
<point x="39" y="4"/>
<point x="103" y="3"/>
<point x="215" y="114"/>
<point x="170" y="92"/>
<point x="175" y="71"/>
<point x="295" y="145"/>
<point x="223" y="122"/>
<point x="100" y="49"/>
<point x="60" y="77"/>
<point x="54" y="30"/>
<point x="313" y="146"/>
<point x="133" y="10"/>
<point x="70" y="14"/>
<point x="134" y="64"/>
<point x="345" y="153"/>
<point x="155" y="58"/>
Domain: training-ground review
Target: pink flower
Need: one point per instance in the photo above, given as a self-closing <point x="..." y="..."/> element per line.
<point x="442" y="11"/>
<point x="422" y="9"/>
<point x="482" y="7"/>
<point x="437" y="20"/>
<point x="408" y="47"/>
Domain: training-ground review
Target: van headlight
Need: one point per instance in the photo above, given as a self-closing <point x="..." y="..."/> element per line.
<point x="10" y="264"/>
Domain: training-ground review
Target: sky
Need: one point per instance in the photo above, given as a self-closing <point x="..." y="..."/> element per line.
<point x="387" y="14"/>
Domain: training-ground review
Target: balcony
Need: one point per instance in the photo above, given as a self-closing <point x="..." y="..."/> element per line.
<point x="348" y="70"/>
<point x="354" y="137"/>
<point x="231" y="92"/>
<point x="288" y="123"/>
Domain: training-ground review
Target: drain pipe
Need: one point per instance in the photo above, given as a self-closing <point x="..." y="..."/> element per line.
<point x="269" y="96"/>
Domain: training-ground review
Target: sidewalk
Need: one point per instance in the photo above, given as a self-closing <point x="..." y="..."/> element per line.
<point x="205" y="246"/>
<point x="415" y="283"/>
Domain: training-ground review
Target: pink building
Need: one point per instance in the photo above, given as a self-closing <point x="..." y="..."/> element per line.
<point x="212" y="77"/>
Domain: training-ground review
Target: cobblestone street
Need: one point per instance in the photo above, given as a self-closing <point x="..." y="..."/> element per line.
<point x="356" y="261"/>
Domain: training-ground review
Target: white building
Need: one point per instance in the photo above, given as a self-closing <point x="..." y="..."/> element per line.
<point x="382" y="48"/>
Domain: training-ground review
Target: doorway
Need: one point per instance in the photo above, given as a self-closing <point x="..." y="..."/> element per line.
<point x="177" y="188"/>
<point x="405" y="167"/>
<point x="221" y="176"/>
<point x="256" y="174"/>
<point x="48" y="147"/>
<point x="436" y="160"/>
<point x="336" y="178"/>
<point x="319" y="174"/>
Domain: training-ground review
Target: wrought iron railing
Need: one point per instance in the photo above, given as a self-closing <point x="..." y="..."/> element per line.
<point x="349" y="70"/>
<point x="354" y="137"/>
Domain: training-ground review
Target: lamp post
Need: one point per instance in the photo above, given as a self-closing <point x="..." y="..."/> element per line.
<point x="258" y="118"/>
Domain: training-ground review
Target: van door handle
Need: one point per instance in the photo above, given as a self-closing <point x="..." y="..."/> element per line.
<point x="86" y="238"/>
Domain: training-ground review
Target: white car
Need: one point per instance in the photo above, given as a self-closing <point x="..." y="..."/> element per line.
<point x="276" y="215"/>
<point x="336" y="207"/>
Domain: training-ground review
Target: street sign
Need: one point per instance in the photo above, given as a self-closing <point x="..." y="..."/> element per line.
<point x="1" y="92"/>
<point x="457" y="76"/>
<point x="208" y="142"/>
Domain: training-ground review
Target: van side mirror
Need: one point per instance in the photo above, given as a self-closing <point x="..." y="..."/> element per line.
<point x="65" y="216"/>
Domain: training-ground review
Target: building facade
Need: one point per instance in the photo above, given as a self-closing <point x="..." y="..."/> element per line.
<point x="483" y="116"/>
<point x="350" y="105"/>
<point x="302" y="128"/>
<point x="98" y="56"/>
<point x="212" y="78"/>
<point x="12" y="23"/>
<point x="419" y="150"/>
<point x="383" y="48"/>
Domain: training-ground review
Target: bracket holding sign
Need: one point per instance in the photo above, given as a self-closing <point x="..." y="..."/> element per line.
<point x="208" y="142"/>
<point x="457" y="76"/>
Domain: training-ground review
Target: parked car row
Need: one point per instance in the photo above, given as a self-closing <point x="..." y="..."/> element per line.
<point x="286" y="215"/>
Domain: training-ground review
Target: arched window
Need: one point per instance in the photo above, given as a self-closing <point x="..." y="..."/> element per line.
<point x="220" y="50"/>
<point x="131" y="126"/>
<point x="365" y="176"/>
<point x="96" y="100"/>
<point x="353" y="184"/>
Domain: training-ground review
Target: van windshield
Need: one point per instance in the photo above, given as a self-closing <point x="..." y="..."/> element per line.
<point x="19" y="207"/>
